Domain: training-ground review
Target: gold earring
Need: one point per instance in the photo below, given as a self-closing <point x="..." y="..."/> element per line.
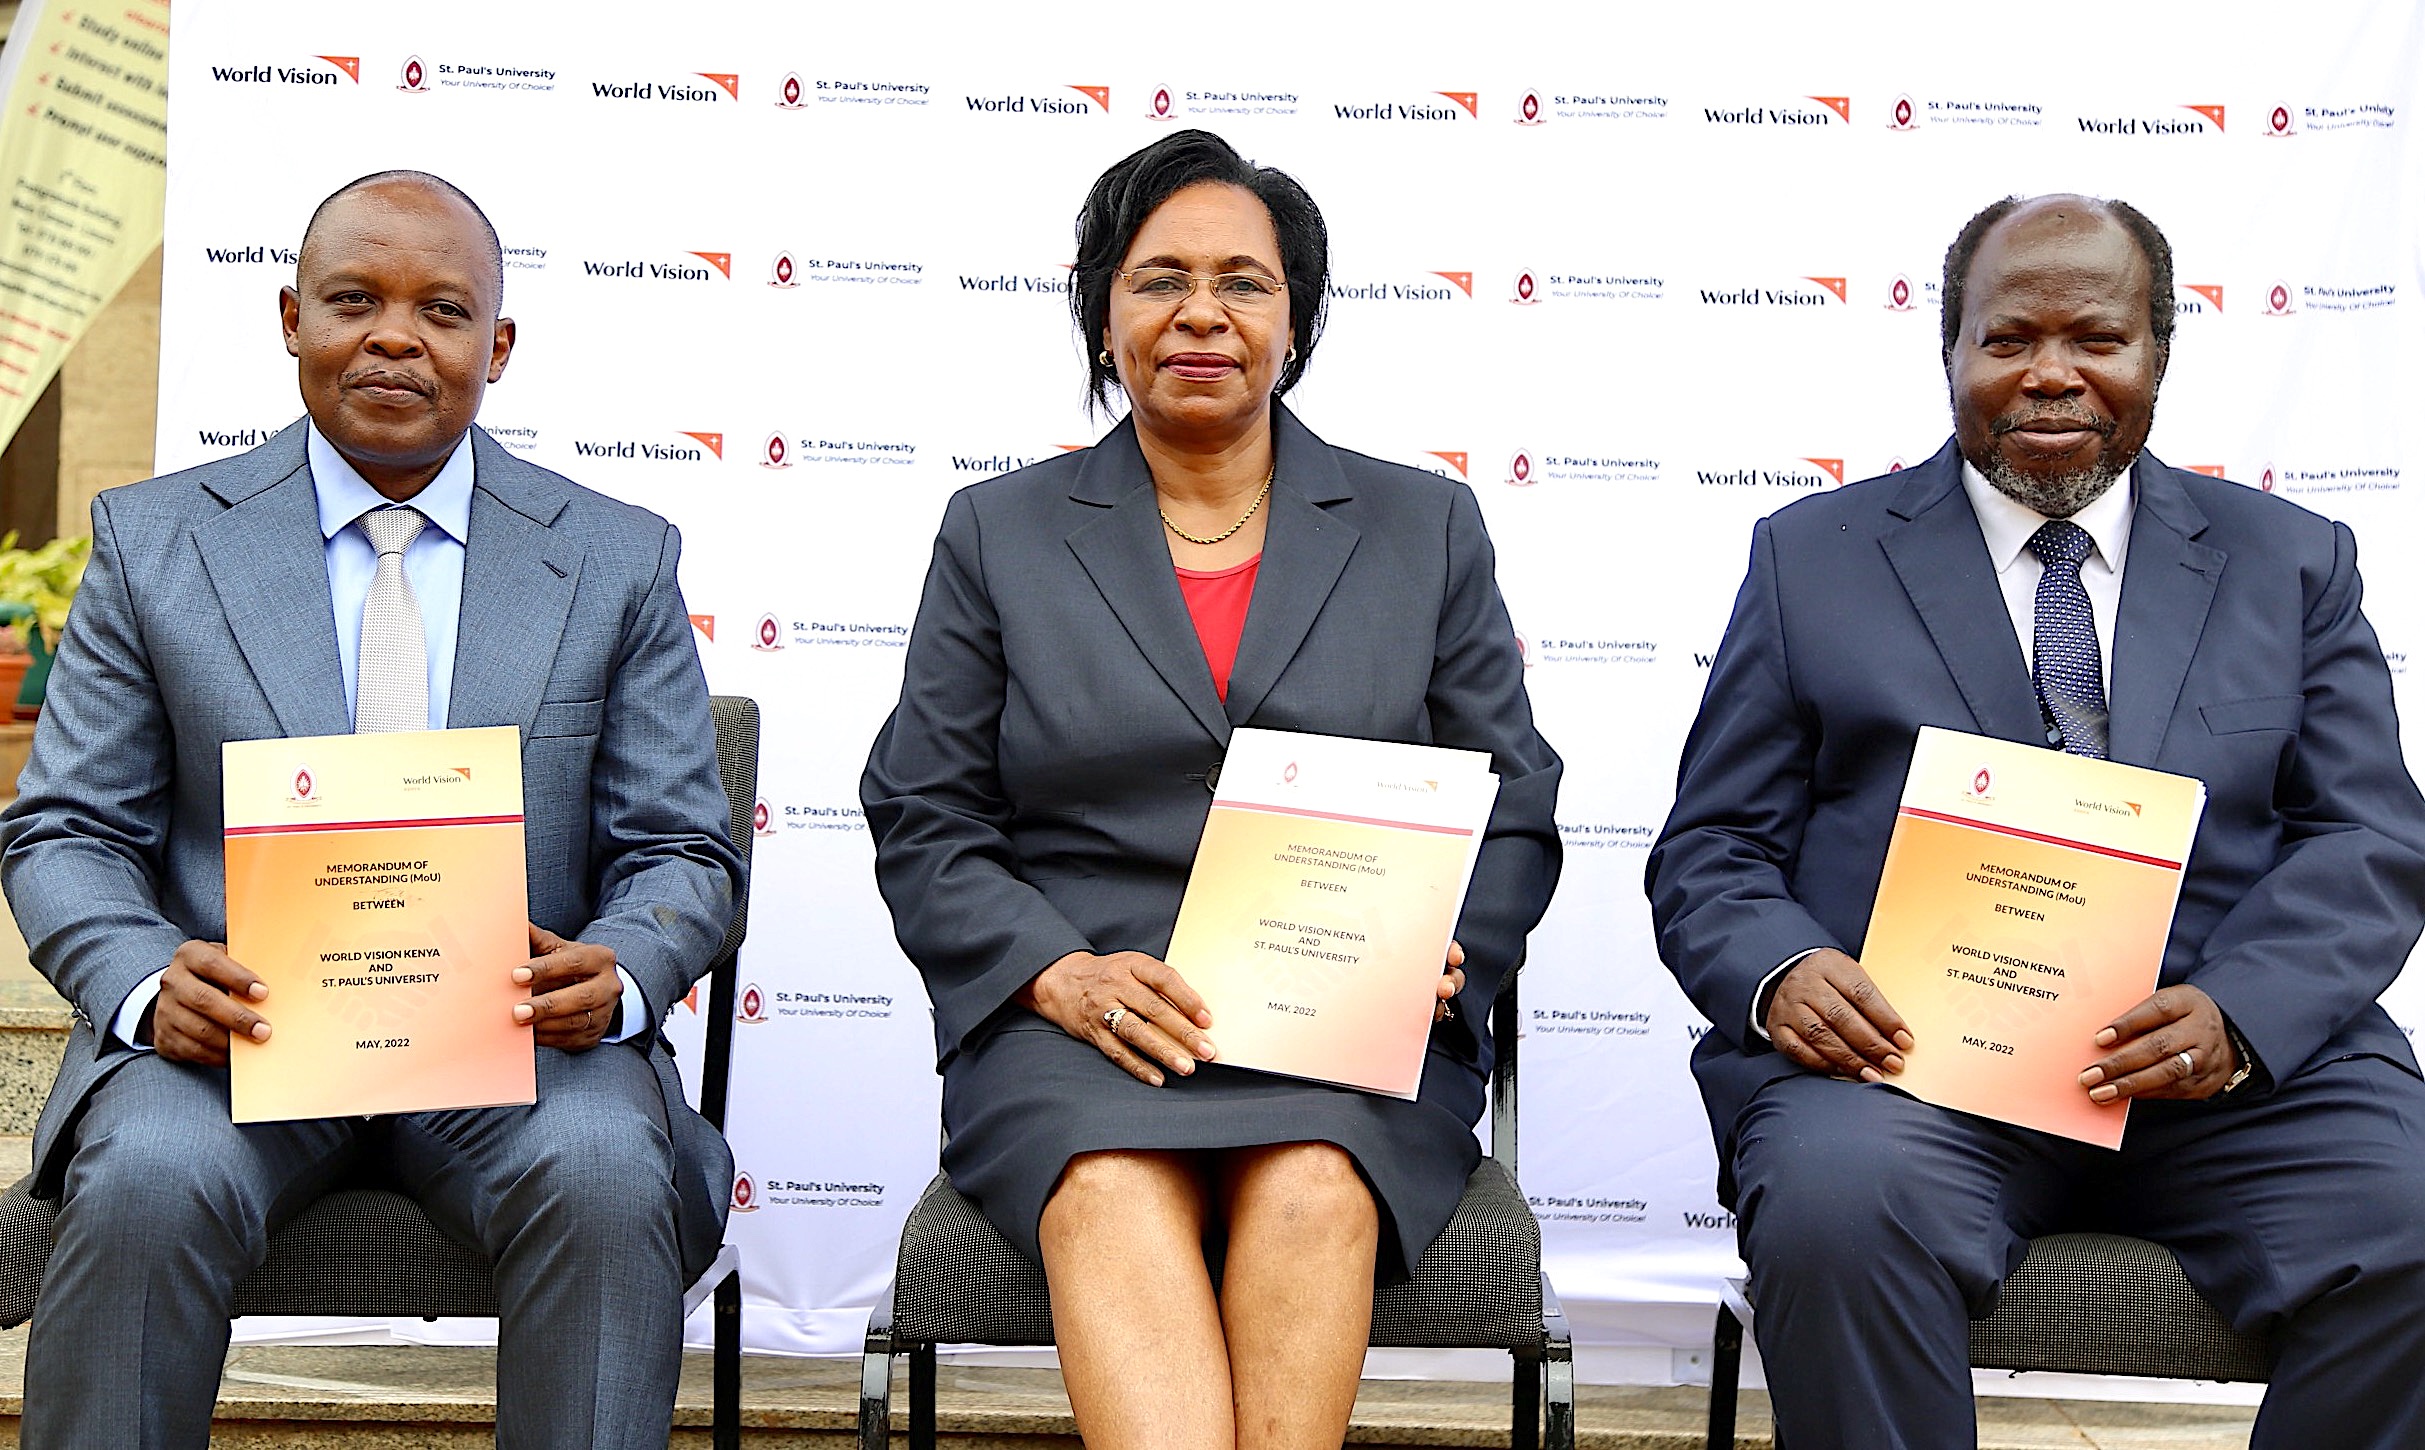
<point x="1292" y="352"/>
<point x="1104" y="357"/>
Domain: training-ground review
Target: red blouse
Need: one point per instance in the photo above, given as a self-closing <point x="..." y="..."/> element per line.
<point x="1216" y="602"/>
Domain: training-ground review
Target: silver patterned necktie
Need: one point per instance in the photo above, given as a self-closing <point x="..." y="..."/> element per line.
<point x="2070" y="670"/>
<point x="391" y="667"/>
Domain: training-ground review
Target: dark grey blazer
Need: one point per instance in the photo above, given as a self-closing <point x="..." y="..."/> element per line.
<point x="1042" y="785"/>
<point x="204" y="617"/>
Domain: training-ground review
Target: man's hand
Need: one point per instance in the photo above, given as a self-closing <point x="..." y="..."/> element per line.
<point x="202" y="1003"/>
<point x="2173" y="1045"/>
<point x="1829" y="1017"/>
<point x="574" y="990"/>
<point x="1452" y="981"/>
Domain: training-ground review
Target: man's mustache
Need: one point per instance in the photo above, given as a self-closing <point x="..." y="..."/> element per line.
<point x="381" y="377"/>
<point x="2068" y="417"/>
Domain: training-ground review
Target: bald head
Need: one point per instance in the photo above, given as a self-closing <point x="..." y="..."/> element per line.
<point x="2037" y="210"/>
<point x="419" y="181"/>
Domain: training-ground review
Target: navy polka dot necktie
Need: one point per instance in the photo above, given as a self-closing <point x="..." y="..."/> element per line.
<point x="2070" y="671"/>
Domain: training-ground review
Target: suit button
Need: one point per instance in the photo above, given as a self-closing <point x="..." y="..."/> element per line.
<point x="1212" y="777"/>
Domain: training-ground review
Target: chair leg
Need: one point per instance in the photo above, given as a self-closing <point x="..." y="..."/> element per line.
<point x="922" y="1397"/>
<point x="1525" y="1432"/>
<point x="876" y="1377"/>
<point x="1557" y="1370"/>
<point x="1725" y="1369"/>
<point x="727" y="1425"/>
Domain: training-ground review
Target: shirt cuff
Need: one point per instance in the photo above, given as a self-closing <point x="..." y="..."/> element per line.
<point x="130" y="1012"/>
<point x="634" y="1008"/>
<point x="1768" y="990"/>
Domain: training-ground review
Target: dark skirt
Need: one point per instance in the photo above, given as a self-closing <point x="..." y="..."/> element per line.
<point x="1029" y="1097"/>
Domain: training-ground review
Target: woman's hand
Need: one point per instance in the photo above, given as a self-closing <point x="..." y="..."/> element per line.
<point x="1137" y="1010"/>
<point x="1452" y="981"/>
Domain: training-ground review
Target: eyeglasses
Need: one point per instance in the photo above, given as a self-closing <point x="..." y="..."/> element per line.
<point x="1236" y="291"/>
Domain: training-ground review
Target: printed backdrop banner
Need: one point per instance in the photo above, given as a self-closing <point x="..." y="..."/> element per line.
<point x="790" y="275"/>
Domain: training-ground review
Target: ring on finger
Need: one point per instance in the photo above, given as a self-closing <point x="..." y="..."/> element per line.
<point x="2189" y="1065"/>
<point x="1113" y="1019"/>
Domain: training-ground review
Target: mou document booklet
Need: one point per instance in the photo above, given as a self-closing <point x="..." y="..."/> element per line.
<point x="1325" y="891"/>
<point x="2025" y="904"/>
<point x="376" y="883"/>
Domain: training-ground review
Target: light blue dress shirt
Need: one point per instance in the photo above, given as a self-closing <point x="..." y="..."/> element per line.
<point x="434" y="566"/>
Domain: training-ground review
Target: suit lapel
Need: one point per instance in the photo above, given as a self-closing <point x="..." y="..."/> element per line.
<point x="518" y="583"/>
<point x="2167" y="586"/>
<point x="1941" y="558"/>
<point x="263" y="555"/>
<point x="1122" y="551"/>
<point x="1305" y="549"/>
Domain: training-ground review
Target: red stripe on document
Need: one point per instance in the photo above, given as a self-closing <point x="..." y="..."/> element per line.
<point x="1335" y="816"/>
<point x="300" y="827"/>
<point x="2036" y="836"/>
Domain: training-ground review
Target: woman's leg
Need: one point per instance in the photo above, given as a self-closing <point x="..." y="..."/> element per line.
<point x="1296" y="1291"/>
<point x="1139" y="1332"/>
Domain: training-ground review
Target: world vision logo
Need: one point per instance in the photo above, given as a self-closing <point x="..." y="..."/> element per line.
<point x="1450" y="287"/>
<point x="1097" y="102"/>
<point x="1802" y="473"/>
<point x="1451" y="106"/>
<point x="2202" y="120"/>
<point x="695" y="451"/>
<point x="1454" y="460"/>
<point x="706" y="625"/>
<point x="767" y="638"/>
<point x="745" y="1193"/>
<point x="789" y="96"/>
<point x="750" y="1008"/>
<point x="722" y="86"/>
<point x="1802" y="292"/>
<point x="2209" y="298"/>
<point x="350" y="66"/>
<point x="707" y="267"/>
<point x="2211" y="470"/>
<point x="1824" y="112"/>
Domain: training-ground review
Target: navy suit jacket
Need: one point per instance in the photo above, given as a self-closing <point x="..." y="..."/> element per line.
<point x="1041" y="787"/>
<point x="204" y="617"/>
<point x="2239" y="657"/>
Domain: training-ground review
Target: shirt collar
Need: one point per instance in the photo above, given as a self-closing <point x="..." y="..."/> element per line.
<point x="2007" y="523"/>
<point x="344" y="497"/>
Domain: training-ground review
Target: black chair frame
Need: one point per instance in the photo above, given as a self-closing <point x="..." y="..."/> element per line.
<point x="369" y="1251"/>
<point x="1406" y="1315"/>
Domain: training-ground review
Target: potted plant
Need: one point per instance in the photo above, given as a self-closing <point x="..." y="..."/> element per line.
<point x="36" y="588"/>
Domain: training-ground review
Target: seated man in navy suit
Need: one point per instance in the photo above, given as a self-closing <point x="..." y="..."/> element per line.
<point x="2044" y="579"/>
<point x="228" y="602"/>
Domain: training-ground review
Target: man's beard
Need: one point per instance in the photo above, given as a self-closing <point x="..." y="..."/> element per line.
<point x="2057" y="495"/>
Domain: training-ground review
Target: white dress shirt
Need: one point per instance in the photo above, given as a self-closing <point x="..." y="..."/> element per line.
<point x="2007" y="525"/>
<point x="434" y="566"/>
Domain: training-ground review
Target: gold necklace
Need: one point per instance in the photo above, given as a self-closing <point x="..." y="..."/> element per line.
<point x="1261" y="495"/>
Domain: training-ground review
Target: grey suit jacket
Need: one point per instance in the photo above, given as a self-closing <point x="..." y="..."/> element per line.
<point x="204" y="617"/>
<point x="1041" y="787"/>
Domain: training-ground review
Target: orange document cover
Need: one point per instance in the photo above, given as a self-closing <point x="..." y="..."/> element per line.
<point x="1325" y="890"/>
<point x="2025" y="904"/>
<point x="376" y="884"/>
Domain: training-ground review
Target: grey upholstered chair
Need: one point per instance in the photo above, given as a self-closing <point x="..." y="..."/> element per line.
<point x="1480" y="1285"/>
<point x="2084" y="1303"/>
<point x="372" y="1252"/>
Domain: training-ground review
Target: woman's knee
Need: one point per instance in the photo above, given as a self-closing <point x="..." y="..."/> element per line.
<point x="1309" y="1187"/>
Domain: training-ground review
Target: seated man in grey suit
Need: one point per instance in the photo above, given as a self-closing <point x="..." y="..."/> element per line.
<point x="228" y="602"/>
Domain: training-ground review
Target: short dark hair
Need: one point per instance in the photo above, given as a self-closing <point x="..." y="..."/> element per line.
<point x="2152" y="246"/>
<point x="1123" y="197"/>
<point x="488" y="229"/>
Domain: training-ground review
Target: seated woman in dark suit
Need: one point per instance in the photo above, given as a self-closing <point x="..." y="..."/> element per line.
<point x="1092" y="628"/>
